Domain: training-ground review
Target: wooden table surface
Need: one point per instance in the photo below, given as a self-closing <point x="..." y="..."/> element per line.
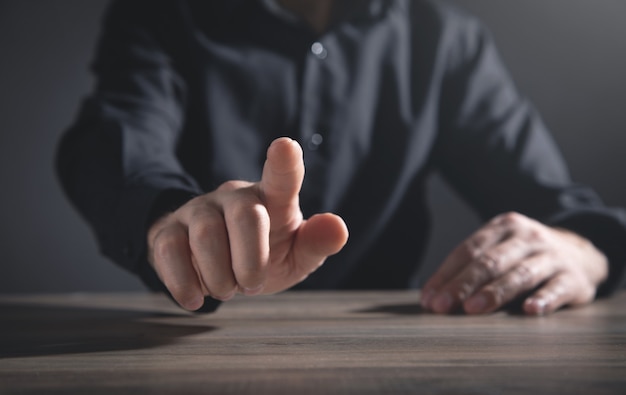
<point x="304" y="343"/>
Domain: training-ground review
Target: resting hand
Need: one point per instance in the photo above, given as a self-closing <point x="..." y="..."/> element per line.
<point x="511" y="256"/>
<point x="244" y="237"/>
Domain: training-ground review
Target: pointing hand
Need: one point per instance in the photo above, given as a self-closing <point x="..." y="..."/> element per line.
<point x="244" y="237"/>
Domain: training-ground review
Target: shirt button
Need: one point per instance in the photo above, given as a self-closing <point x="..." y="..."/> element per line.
<point x="318" y="50"/>
<point x="315" y="141"/>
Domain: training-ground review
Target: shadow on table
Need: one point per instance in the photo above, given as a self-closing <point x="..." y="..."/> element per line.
<point x="512" y="308"/>
<point x="38" y="330"/>
<point x="396" y="309"/>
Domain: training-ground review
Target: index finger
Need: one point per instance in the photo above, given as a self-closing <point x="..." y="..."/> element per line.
<point x="282" y="178"/>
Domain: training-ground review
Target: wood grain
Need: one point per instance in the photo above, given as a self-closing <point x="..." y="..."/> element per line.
<point x="304" y="343"/>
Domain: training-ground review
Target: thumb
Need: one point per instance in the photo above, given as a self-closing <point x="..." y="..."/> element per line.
<point x="318" y="237"/>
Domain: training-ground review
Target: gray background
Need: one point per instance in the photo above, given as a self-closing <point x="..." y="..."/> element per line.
<point x="568" y="56"/>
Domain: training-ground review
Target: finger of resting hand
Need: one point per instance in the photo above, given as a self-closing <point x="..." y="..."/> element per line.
<point x="281" y="182"/>
<point x="523" y="277"/>
<point x="561" y="290"/>
<point x="490" y="265"/>
<point x="208" y="239"/>
<point x="474" y="246"/>
<point x="247" y="222"/>
<point x="172" y="262"/>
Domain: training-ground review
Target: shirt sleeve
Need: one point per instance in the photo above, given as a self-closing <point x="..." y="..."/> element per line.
<point x="497" y="153"/>
<point x="118" y="163"/>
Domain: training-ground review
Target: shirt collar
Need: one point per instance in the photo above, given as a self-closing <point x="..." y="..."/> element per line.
<point x="363" y="9"/>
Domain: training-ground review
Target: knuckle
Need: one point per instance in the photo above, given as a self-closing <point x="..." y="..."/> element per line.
<point x="238" y="210"/>
<point x="165" y="245"/>
<point x="472" y="247"/>
<point x="463" y="291"/>
<point x="196" y="201"/>
<point x="495" y="296"/>
<point x="523" y="276"/>
<point x="205" y="227"/>
<point x="511" y="219"/>
<point x="489" y="264"/>
<point x="229" y="186"/>
<point x="535" y="235"/>
<point x="234" y="185"/>
<point x="515" y="245"/>
<point x="198" y="209"/>
<point x="247" y="211"/>
<point x="225" y="292"/>
<point x="197" y="206"/>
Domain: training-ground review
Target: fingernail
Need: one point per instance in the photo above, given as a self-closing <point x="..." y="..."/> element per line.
<point x="426" y="296"/>
<point x="195" y="303"/>
<point x="476" y="304"/>
<point x="228" y="296"/>
<point x="536" y="306"/>
<point x="442" y="303"/>
<point x="253" y="291"/>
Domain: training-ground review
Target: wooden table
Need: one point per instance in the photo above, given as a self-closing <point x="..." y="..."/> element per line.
<point x="304" y="343"/>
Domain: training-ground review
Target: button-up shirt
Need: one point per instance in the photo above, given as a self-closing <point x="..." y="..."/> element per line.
<point x="189" y="94"/>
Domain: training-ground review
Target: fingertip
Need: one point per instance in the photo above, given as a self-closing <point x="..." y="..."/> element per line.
<point x="283" y="174"/>
<point x="442" y="303"/>
<point x="251" y="278"/>
<point x="328" y="233"/>
<point x="318" y="237"/>
<point x="226" y="297"/>
<point x="192" y="303"/>
<point x="281" y="140"/>
<point x="426" y="297"/>
<point x="340" y="229"/>
<point x="284" y="146"/>
<point x="477" y="304"/>
<point x="253" y="290"/>
<point x="535" y="306"/>
<point x="173" y="265"/>
<point x="187" y="294"/>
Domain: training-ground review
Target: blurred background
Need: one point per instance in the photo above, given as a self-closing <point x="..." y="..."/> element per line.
<point x="568" y="56"/>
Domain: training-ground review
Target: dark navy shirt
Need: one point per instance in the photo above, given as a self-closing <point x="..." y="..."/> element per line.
<point x="190" y="94"/>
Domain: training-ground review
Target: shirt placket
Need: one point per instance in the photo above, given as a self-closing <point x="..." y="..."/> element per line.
<point x="314" y="127"/>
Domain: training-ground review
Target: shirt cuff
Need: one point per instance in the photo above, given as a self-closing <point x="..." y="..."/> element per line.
<point x="606" y="229"/>
<point x="139" y="207"/>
